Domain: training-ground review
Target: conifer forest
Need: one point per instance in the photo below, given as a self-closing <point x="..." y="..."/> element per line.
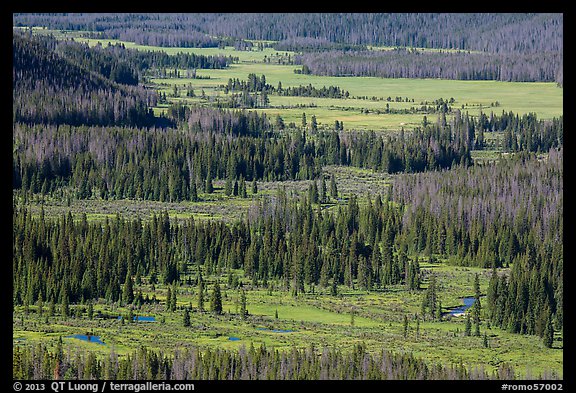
<point x="278" y="196"/>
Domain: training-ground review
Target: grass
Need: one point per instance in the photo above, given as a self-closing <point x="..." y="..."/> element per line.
<point x="317" y="319"/>
<point x="543" y="98"/>
<point x="216" y="206"/>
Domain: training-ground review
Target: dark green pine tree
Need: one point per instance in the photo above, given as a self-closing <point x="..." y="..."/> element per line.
<point x="228" y="186"/>
<point x="468" y="326"/>
<point x="193" y="191"/>
<point x="477" y="306"/>
<point x="439" y="311"/>
<point x="313" y="193"/>
<point x="333" y="187"/>
<point x="548" y="337"/>
<point x="334" y="286"/>
<point x="230" y="175"/>
<point x="254" y="186"/>
<point x="243" y="309"/>
<point x="314" y="123"/>
<point x="168" y="299"/>
<point x="65" y="306"/>
<point x="242" y="188"/>
<point x="90" y="310"/>
<point x="128" y="290"/>
<point x="51" y="308"/>
<point x="405" y="326"/>
<point x="476" y="317"/>
<point x="216" y="299"/>
<point x="200" y="292"/>
<point x="186" y="317"/>
<point x="430" y="301"/>
<point x="209" y="189"/>
<point x="173" y="299"/>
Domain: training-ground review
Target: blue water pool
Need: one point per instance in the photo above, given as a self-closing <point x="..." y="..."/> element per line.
<point x="84" y="337"/>
<point x="140" y="319"/>
<point x="468" y="302"/>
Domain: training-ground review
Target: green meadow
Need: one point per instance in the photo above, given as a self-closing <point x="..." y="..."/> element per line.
<point x="310" y="318"/>
<point x="543" y="98"/>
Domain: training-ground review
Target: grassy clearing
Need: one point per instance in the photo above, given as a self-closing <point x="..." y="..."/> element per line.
<point x="216" y="206"/>
<point x="314" y="318"/>
<point x="545" y="99"/>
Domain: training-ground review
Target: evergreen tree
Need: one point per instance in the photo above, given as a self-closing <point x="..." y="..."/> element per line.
<point x="173" y="299"/>
<point x="209" y="188"/>
<point x="128" y="290"/>
<point x="51" y="308"/>
<point x="216" y="299"/>
<point x="193" y="191"/>
<point x="65" y="306"/>
<point x="476" y="317"/>
<point x="477" y="306"/>
<point x="168" y="299"/>
<point x="279" y="123"/>
<point x="334" y="286"/>
<point x="228" y="186"/>
<point x="333" y="187"/>
<point x="313" y="193"/>
<point x="186" y="317"/>
<point x="405" y="325"/>
<point x="243" y="309"/>
<point x="200" y="292"/>
<point x="242" y="188"/>
<point x="468" y="326"/>
<point x="548" y="337"/>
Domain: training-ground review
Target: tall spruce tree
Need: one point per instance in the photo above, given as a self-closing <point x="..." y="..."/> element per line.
<point x="216" y="299"/>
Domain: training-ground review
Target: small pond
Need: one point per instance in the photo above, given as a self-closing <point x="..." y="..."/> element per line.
<point x="233" y="338"/>
<point x="84" y="337"/>
<point x="460" y="310"/>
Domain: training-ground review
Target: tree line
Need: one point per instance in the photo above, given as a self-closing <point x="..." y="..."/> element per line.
<point x="252" y="363"/>
<point x="519" y="47"/>
<point x="491" y="32"/>
<point x="413" y="63"/>
<point x="169" y="164"/>
<point x="173" y="165"/>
